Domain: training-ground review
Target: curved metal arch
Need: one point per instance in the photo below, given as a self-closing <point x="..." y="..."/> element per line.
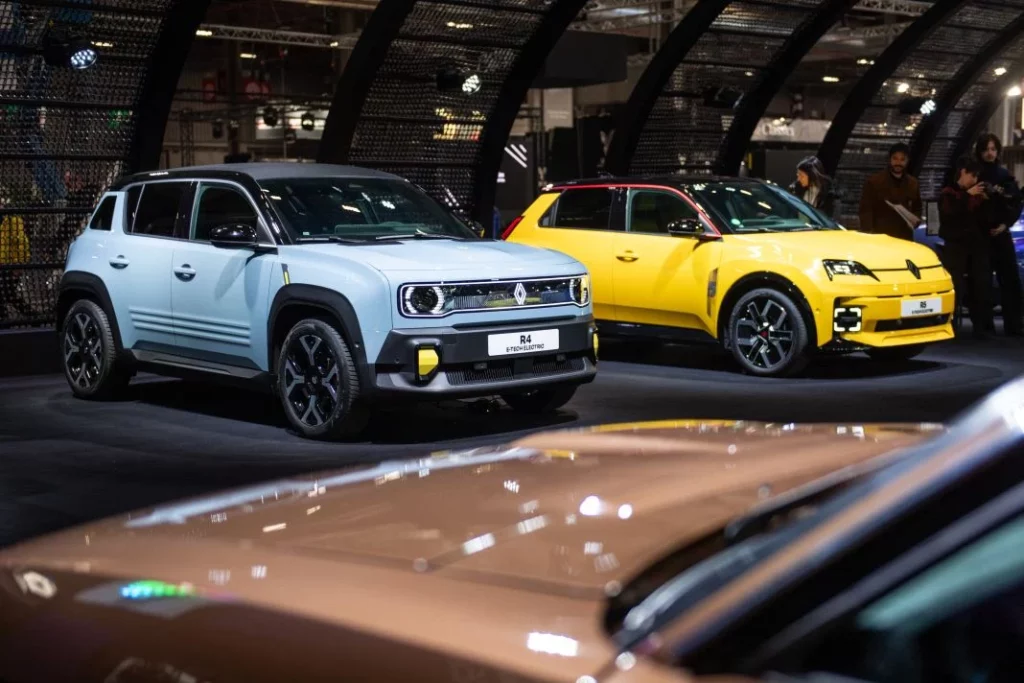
<point x="357" y="78"/>
<point x="653" y="79"/>
<point x="513" y="91"/>
<point x="388" y="112"/>
<point x="926" y="133"/>
<point x="860" y="96"/>
<point x="169" y="55"/>
<point x="757" y="100"/>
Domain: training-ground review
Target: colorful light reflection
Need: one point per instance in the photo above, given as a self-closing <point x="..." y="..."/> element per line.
<point x="148" y="590"/>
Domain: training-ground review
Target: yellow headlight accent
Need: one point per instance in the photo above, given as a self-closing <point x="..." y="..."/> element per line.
<point x="427" y="361"/>
<point x="585" y="292"/>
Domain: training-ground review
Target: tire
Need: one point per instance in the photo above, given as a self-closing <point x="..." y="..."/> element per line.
<point x="540" y="400"/>
<point x="89" y="353"/>
<point x="318" y="384"/>
<point x="896" y="354"/>
<point x="767" y="334"/>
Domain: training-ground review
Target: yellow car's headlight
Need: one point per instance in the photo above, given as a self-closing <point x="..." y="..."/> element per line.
<point x="834" y="268"/>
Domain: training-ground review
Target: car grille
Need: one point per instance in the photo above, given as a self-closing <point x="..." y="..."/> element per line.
<point x="522" y="368"/>
<point x="498" y="294"/>
<point x="911" y="323"/>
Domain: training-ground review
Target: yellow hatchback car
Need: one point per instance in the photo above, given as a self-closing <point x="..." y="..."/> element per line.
<point x="743" y="263"/>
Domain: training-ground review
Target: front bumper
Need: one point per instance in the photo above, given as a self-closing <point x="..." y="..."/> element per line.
<point x="882" y="323"/>
<point x="455" y="362"/>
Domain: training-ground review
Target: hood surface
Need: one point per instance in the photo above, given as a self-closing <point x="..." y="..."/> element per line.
<point x="447" y="256"/>
<point x="568" y="510"/>
<point x="874" y="251"/>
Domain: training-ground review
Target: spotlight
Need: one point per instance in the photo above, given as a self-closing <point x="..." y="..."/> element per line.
<point x="308" y="121"/>
<point x="63" y="50"/>
<point x="270" y="117"/>
<point x="927" y="107"/>
<point x="456" y="79"/>
<point x="1014" y="91"/>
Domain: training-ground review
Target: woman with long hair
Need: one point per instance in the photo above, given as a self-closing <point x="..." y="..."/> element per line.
<point x="815" y="187"/>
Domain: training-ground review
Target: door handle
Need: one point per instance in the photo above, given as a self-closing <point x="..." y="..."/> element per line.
<point x="185" y="273"/>
<point x="119" y="262"/>
<point x="627" y="256"/>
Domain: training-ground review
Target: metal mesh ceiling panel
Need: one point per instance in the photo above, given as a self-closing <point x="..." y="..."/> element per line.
<point x="923" y="75"/>
<point x="408" y="126"/>
<point x="686" y="126"/>
<point x="64" y="134"/>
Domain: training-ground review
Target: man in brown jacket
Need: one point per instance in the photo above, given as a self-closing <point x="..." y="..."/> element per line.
<point x="894" y="185"/>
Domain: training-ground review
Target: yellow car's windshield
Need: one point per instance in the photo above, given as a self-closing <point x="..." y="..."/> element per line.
<point x="747" y="207"/>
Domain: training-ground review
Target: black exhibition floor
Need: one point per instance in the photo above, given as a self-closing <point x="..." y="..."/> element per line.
<point x="64" y="461"/>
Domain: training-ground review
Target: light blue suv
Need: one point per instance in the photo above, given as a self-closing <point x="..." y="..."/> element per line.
<point x="337" y="287"/>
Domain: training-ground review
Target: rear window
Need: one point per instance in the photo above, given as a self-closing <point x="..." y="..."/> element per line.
<point x="103" y="219"/>
<point x="157" y="212"/>
<point x="584" y="209"/>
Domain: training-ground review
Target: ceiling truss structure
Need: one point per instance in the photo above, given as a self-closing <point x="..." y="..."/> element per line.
<point x="277" y="37"/>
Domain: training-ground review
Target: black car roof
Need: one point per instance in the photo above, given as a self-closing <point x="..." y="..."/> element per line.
<point x="257" y="171"/>
<point x="666" y="180"/>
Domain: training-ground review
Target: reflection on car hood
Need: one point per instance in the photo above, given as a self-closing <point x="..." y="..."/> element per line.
<point x="874" y="251"/>
<point x="440" y="256"/>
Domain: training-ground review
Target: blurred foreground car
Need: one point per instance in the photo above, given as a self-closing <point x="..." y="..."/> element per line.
<point x="651" y="552"/>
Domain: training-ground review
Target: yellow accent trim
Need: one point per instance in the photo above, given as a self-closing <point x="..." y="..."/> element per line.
<point x="426" y="361"/>
<point x="596" y="346"/>
<point x="287" y="278"/>
<point x="661" y="424"/>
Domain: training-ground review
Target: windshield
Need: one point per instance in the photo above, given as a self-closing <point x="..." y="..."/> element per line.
<point x="361" y="209"/>
<point x="747" y="207"/>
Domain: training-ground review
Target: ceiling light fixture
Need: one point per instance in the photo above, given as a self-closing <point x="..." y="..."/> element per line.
<point x="1000" y="71"/>
<point x="1014" y="91"/>
<point x="830" y="79"/>
<point x="902" y="87"/>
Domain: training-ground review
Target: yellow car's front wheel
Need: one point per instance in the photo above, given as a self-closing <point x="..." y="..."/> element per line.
<point x="767" y="334"/>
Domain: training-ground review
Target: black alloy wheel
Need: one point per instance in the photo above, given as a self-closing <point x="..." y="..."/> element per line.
<point x="767" y="334"/>
<point x="539" y="400"/>
<point x="317" y="382"/>
<point x="89" y="353"/>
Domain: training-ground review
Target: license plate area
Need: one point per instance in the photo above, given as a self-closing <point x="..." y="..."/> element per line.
<point x="915" y="308"/>
<point x="519" y="343"/>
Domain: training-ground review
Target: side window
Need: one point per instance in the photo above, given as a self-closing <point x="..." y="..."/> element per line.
<point x="651" y="211"/>
<point x="585" y="209"/>
<point x="221" y="205"/>
<point x="157" y="212"/>
<point x="960" y="620"/>
<point x="103" y="219"/>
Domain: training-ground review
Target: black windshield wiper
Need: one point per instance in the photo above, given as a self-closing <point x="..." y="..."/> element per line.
<point x="332" y="238"/>
<point x="419" y="234"/>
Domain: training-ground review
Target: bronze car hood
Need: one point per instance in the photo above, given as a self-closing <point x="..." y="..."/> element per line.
<point x="567" y="512"/>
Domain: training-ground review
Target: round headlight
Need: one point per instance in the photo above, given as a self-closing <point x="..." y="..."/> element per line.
<point x="579" y="290"/>
<point x="423" y="300"/>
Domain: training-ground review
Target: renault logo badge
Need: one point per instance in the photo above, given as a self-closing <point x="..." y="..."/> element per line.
<point x="913" y="269"/>
<point x="520" y="294"/>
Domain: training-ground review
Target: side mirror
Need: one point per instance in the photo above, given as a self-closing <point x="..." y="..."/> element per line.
<point x="234" y="236"/>
<point x="686" y="227"/>
<point x="478" y="228"/>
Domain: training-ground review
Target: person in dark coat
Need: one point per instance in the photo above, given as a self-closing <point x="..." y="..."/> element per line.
<point x="962" y="215"/>
<point x="1003" y="207"/>
<point x="815" y="187"/>
<point x="893" y="185"/>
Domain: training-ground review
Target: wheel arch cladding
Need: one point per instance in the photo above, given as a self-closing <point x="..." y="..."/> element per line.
<point x="295" y="302"/>
<point x="770" y="280"/>
<point x="76" y="285"/>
